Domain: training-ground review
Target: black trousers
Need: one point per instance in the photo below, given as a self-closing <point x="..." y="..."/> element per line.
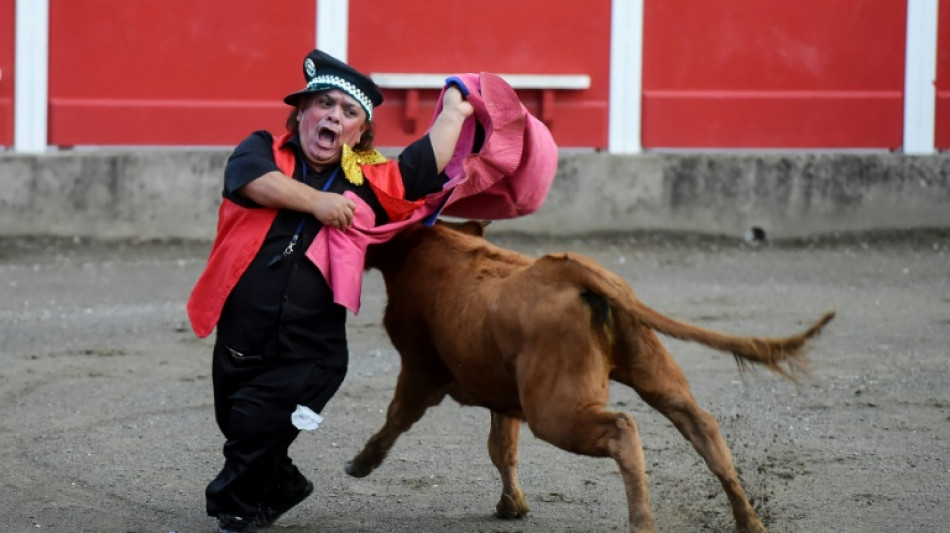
<point x="253" y="401"/>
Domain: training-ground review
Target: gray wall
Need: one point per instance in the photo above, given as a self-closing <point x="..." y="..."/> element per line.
<point x="157" y="194"/>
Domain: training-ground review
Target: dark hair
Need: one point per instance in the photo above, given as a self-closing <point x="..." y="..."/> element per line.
<point x="365" y="142"/>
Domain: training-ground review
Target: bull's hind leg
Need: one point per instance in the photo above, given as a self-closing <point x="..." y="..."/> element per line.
<point x="661" y="383"/>
<point x="415" y="392"/>
<point x="563" y="397"/>
<point x="601" y="433"/>
<point x="503" y="450"/>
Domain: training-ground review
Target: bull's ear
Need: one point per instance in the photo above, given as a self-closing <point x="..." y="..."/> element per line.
<point x="468" y="227"/>
<point x="474" y="227"/>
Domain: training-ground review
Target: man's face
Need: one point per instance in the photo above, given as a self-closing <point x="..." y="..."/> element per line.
<point x="327" y="122"/>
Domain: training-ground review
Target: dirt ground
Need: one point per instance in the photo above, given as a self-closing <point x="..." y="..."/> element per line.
<point x="106" y="420"/>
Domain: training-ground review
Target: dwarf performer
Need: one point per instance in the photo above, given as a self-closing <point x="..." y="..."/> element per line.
<point x="281" y="347"/>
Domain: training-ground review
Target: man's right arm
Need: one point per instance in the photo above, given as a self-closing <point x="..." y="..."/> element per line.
<point x="252" y="179"/>
<point x="275" y="189"/>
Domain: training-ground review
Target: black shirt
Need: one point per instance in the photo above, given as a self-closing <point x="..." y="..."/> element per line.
<point x="282" y="306"/>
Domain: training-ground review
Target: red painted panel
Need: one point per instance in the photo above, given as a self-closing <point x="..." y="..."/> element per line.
<point x="173" y="72"/>
<point x="759" y="73"/>
<point x="523" y="37"/>
<point x="7" y="40"/>
<point x="942" y="132"/>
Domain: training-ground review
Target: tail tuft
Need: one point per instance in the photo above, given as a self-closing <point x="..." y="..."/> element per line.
<point x="785" y="357"/>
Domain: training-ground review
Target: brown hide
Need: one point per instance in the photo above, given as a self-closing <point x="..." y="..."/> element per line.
<point x="538" y="340"/>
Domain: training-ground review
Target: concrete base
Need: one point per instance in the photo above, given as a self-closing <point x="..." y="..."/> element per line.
<point x="161" y="194"/>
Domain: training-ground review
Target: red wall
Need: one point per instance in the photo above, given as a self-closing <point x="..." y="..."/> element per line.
<point x="504" y="36"/>
<point x="727" y="74"/>
<point x="7" y="24"/>
<point x="942" y="132"/>
<point x="155" y="72"/>
<point x="759" y="73"/>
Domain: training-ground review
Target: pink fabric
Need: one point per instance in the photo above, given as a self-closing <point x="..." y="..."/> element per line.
<point x="340" y="255"/>
<point x="510" y="176"/>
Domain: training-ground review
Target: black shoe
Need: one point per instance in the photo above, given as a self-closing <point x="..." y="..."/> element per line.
<point x="271" y="512"/>
<point x="235" y="524"/>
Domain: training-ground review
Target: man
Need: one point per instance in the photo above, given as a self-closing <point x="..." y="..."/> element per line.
<point x="281" y="340"/>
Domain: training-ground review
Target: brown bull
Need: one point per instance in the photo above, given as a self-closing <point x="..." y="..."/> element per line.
<point x="537" y="340"/>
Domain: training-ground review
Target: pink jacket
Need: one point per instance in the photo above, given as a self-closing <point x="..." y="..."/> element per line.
<point x="508" y="177"/>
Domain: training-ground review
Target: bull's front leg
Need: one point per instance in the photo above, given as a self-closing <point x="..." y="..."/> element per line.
<point x="503" y="450"/>
<point x="415" y="392"/>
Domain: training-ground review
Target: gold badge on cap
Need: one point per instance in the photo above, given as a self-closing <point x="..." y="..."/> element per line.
<point x="310" y="68"/>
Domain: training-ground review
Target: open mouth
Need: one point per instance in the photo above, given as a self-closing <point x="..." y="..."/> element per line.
<point x="326" y="136"/>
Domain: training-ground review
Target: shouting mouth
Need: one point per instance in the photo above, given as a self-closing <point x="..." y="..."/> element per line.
<point x="327" y="137"/>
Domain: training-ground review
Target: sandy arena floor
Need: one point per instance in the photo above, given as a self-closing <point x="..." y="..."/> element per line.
<point x="106" y="420"/>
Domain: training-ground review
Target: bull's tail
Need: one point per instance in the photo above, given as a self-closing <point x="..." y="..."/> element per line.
<point x="783" y="355"/>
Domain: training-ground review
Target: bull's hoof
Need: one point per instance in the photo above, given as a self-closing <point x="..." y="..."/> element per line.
<point x="518" y="515"/>
<point x="508" y="508"/>
<point x="355" y="470"/>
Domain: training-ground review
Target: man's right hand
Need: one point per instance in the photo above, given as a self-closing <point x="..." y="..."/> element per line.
<point x="334" y="210"/>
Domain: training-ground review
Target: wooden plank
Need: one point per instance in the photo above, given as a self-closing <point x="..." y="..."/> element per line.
<point x="407" y="80"/>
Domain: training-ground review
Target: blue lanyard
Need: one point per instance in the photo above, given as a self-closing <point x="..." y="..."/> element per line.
<point x="293" y="240"/>
<point x="326" y="186"/>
